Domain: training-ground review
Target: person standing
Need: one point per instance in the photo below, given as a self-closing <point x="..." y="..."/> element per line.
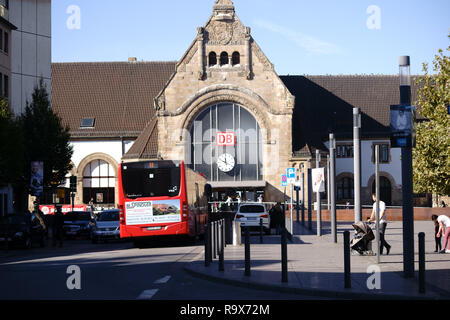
<point x="436" y="238"/>
<point x="383" y="223"/>
<point x="444" y="229"/>
<point x="58" y="223"/>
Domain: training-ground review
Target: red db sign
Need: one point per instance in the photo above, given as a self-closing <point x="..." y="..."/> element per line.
<point x="225" y="139"/>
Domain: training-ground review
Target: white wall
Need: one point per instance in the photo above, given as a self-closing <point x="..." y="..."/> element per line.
<point x="82" y="149"/>
<point x="30" y="49"/>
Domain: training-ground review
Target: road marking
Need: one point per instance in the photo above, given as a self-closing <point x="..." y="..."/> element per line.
<point x="147" y="294"/>
<point x="163" y="280"/>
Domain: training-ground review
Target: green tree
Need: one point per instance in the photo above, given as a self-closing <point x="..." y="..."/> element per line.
<point x="431" y="157"/>
<point x="11" y="146"/>
<point x="45" y="139"/>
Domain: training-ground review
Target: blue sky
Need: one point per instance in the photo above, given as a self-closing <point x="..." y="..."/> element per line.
<point x="298" y="37"/>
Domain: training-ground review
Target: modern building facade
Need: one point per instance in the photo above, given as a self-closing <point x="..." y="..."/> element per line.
<point x="224" y="111"/>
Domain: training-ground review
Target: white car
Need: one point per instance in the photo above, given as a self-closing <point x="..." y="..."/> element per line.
<point x="250" y="214"/>
<point x="107" y="226"/>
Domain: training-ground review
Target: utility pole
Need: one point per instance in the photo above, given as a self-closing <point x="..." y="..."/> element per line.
<point x="357" y="163"/>
<point x="332" y="187"/>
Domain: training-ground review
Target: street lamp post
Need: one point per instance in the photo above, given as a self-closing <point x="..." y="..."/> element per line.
<point x="332" y="187"/>
<point x="407" y="177"/>
<point x="357" y="163"/>
<point x="319" y="206"/>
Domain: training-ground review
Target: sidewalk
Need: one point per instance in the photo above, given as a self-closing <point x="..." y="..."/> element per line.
<point x="316" y="266"/>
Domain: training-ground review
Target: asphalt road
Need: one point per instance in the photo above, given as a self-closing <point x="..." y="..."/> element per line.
<point x="81" y="270"/>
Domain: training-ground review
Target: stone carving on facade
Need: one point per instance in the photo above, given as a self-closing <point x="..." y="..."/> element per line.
<point x="160" y="102"/>
<point x="268" y="66"/>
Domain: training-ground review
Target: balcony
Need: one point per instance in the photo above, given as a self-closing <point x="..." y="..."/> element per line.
<point x="4" y="13"/>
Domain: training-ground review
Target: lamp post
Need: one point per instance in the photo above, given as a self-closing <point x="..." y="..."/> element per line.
<point x="357" y="163"/>
<point x="407" y="178"/>
<point x="332" y="187"/>
<point x="319" y="207"/>
<point x="302" y="168"/>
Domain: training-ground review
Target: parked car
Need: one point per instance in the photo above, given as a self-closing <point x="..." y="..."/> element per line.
<point x="77" y="224"/>
<point x="22" y="230"/>
<point x="249" y="215"/>
<point x="106" y="226"/>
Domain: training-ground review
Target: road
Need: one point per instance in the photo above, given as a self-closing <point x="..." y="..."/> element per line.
<point x="114" y="270"/>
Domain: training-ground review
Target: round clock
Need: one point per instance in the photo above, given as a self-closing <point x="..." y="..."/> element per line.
<point x="225" y="162"/>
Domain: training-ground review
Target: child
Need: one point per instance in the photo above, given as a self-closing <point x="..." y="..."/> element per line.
<point x="437" y="239"/>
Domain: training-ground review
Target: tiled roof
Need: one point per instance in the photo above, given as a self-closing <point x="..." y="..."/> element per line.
<point x="324" y="104"/>
<point x="146" y="145"/>
<point x="119" y="95"/>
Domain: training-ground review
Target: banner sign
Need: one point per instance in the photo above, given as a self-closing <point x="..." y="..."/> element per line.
<point x="50" y="209"/>
<point x="403" y="126"/>
<point x="37" y="178"/>
<point x="152" y="212"/>
<point x="318" y="179"/>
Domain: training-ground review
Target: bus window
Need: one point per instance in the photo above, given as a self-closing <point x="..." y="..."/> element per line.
<point x="150" y="182"/>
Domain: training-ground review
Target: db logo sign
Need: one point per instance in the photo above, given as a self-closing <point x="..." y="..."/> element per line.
<point x="225" y="139"/>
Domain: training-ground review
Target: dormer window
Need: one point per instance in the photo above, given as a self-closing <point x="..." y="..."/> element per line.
<point x="212" y="59"/>
<point x="224" y="59"/>
<point x="87" y="123"/>
<point x="236" y="58"/>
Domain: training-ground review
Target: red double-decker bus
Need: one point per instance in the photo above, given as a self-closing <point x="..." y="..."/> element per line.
<point x="161" y="198"/>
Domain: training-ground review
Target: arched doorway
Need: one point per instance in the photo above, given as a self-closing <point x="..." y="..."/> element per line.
<point x="99" y="183"/>
<point x="385" y="190"/>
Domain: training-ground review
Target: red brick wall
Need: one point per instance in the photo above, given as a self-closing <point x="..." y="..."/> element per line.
<point x="423" y="214"/>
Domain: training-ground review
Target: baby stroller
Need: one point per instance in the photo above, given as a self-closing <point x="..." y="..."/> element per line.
<point x="362" y="241"/>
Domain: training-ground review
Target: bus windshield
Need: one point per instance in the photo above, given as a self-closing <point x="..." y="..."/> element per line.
<point x="142" y="182"/>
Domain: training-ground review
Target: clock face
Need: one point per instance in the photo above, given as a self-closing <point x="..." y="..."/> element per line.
<point x="225" y="162"/>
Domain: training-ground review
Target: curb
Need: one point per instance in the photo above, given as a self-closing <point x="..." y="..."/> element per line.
<point x="323" y="293"/>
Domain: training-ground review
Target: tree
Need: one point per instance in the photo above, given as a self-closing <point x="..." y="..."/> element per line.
<point x="45" y="139"/>
<point x="11" y="146"/>
<point x="431" y="157"/>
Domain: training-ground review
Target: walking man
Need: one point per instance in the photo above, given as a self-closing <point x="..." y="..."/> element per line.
<point x="383" y="223"/>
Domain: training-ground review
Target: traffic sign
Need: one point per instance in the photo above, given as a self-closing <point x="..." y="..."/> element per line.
<point x="290" y="175"/>
<point x="284" y="180"/>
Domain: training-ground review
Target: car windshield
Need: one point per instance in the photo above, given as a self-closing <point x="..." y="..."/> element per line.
<point x="109" y="216"/>
<point x="73" y="215"/>
<point x="251" y="209"/>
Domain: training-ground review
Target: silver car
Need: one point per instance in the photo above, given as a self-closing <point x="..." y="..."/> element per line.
<point x="106" y="226"/>
<point x="250" y="214"/>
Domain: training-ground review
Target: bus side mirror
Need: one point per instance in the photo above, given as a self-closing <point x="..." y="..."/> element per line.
<point x="208" y="190"/>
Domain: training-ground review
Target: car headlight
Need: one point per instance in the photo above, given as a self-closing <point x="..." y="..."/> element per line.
<point x="18" y="234"/>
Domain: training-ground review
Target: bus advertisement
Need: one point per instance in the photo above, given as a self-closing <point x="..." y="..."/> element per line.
<point x="161" y="198"/>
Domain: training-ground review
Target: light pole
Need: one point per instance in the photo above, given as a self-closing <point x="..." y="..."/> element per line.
<point x="302" y="168"/>
<point x="332" y="187"/>
<point x="407" y="178"/>
<point x="357" y="163"/>
<point x="319" y="206"/>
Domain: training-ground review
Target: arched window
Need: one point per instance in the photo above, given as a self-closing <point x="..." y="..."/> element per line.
<point x="99" y="183"/>
<point x="385" y="190"/>
<point x="212" y="59"/>
<point x="224" y="59"/>
<point x="345" y="189"/>
<point x="236" y="58"/>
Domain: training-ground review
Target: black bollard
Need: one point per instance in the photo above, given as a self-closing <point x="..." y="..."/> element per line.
<point x="222" y="249"/>
<point x="247" y="252"/>
<point x="214" y="240"/>
<point x="260" y="230"/>
<point x="347" y="276"/>
<point x="421" y="262"/>
<point x="207" y="246"/>
<point x="284" y="264"/>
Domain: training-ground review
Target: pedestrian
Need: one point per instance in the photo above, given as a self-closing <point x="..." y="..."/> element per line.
<point x="58" y="223"/>
<point x="444" y="229"/>
<point x="260" y="198"/>
<point x="383" y="223"/>
<point x="348" y="205"/>
<point x="436" y="238"/>
<point x="443" y="204"/>
<point x="278" y="215"/>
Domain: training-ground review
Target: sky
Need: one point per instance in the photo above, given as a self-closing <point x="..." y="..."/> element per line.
<point x="299" y="37"/>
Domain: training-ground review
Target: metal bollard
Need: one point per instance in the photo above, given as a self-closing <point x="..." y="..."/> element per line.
<point x="347" y="275"/>
<point x="214" y="242"/>
<point x="207" y="246"/>
<point x="222" y="249"/>
<point x="247" y="252"/>
<point x="284" y="264"/>
<point x="260" y="230"/>
<point x="236" y="233"/>
<point x="421" y="262"/>
<point x="217" y="238"/>
<point x="224" y="233"/>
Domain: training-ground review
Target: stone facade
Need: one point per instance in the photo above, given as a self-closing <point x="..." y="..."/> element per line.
<point x="247" y="78"/>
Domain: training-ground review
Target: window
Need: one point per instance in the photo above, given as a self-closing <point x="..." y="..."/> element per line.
<point x="99" y="182"/>
<point x="5" y="86"/>
<point x="1" y="39"/>
<point x="236" y="58"/>
<point x="345" y="189"/>
<point x="6" y="42"/>
<point x="224" y="58"/>
<point x="384" y="152"/>
<point x="212" y="59"/>
<point x="344" y="151"/>
<point x="87" y="122"/>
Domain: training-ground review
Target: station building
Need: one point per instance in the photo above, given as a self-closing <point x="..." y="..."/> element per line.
<point x="223" y="110"/>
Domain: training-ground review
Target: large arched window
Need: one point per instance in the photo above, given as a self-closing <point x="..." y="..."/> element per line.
<point x="345" y="189"/>
<point x="226" y="144"/>
<point x="99" y="183"/>
<point x="236" y="58"/>
<point x="224" y="59"/>
<point x="385" y="190"/>
<point x="212" y="59"/>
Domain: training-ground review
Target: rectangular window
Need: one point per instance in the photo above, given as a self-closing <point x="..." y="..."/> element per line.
<point x="384" y="152"/>
<point x="6" y="42"/>
<point x="344" y="151"/>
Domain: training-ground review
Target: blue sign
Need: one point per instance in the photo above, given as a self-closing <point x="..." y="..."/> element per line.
<point x="291" y="173"/>
<point x="284" y="180"/>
